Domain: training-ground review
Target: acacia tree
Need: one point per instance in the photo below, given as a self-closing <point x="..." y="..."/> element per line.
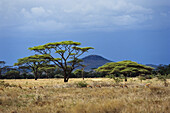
<point x="127" y="68"/>
<point x="67" y="53"/>
<point x="1" y="66"/>
<point x="163" y="69"/>
<point x="35" y="62"/>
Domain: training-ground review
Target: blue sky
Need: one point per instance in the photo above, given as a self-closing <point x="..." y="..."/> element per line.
<point x="137" y="30"/>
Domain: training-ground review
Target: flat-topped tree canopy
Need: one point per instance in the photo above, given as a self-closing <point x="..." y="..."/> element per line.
<point x="32" y="59"/>
<point x="34" y="62"/>
<point x="84" y="49"/>
<point x="54" y="45"/>
<point x="127" y="68"/>
<point x="67" y="53"/>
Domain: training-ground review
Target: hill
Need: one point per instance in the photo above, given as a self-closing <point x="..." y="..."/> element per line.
<point x="94" y="61"/>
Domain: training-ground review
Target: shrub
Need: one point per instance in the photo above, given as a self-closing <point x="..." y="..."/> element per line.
<point x="141" y="78"/>
<point x="163" y="78"/>
<point x="116" y="79"/>
<point x="29" y="76"/>
<point x="82" y="84"/>
<point x="149" y="77"/>
<point x="13" y="74"/>
<point x="110" y="76"/>
<point x="59" y="76"/>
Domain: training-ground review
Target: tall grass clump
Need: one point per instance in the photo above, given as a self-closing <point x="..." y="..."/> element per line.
<point x="82" y="84"/>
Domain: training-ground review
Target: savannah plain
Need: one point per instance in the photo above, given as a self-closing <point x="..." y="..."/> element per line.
<point x="100" y="95"/>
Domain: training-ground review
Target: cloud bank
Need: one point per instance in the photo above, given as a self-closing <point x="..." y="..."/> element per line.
<point x="83" y="15"/>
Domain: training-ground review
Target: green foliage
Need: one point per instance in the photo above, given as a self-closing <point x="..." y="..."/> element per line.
<point x="149" y="76"/>
<point x="116" y="79"/>
<point x="162" y="77"/>
<point x="60" y="51"/>
<point x="111" y="76"/>
<point x="78" y="73"/>
<point x="141" y="78"/>
<point x="82" y="84"/>
<point x="127" y="68"/>
<point x="34" y="62"/>
<point x="13" y="74"/>
<point x="34" y="59"/>
<point x="67" y="53"/>
<point x="168" y="76"/>
<point x="1" y="66"/>
<point x="58" y="76"/>
<point x="163" y="69"/>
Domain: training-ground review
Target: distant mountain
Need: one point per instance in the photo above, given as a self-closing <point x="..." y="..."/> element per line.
<point x="94" y="61"/>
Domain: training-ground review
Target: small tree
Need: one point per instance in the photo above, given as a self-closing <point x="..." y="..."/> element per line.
<point x="34" y="62"/>
<point x="78" y="72"/>
<point x="48" y="69"/>
<point x="141" y="78"/>
<point x="116" y="79"/>
<point x="83" y="67"/>
<point x="164" y="79"/>
<point x="1" y="66"/>
<point x="68" y="55"/>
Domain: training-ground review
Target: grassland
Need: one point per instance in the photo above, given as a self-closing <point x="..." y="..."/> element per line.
<point x="55" y="96"/>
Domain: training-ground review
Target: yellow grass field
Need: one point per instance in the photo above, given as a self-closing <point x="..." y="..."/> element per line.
<point x="105" y="96"/>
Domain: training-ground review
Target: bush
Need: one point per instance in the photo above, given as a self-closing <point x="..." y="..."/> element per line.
<point x="82" y="84"/>
<point x="29" y="76"/>
<point x="13" y="74"/>
<point x="59" y="76"/>
<point x="163" y="78"/>
<point x="141" y="78"/>
<point x="149" y="77"/>
<point x="110" y="76"/>
<point x="116" y="79"/>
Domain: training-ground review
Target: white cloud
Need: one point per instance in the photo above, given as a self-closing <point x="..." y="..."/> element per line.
<point x="36" y="12"/>
<point x="54" y="15"/>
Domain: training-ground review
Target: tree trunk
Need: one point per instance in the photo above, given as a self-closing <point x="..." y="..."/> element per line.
<point x="125" y="78"/>
<point x="66" y="77"/>
<point x="82" y="74"/>
<point x="36" y="75"/>
<point x="36" y="78"/>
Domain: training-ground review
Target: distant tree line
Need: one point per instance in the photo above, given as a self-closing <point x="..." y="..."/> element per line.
<point x="16" y="73"/>
<point x="116" y="69"/>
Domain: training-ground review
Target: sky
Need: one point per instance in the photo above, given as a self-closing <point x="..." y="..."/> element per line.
<point x="137" y="30"/>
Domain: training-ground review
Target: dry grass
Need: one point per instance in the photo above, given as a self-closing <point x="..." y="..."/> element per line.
<point x="55" y="96"/>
